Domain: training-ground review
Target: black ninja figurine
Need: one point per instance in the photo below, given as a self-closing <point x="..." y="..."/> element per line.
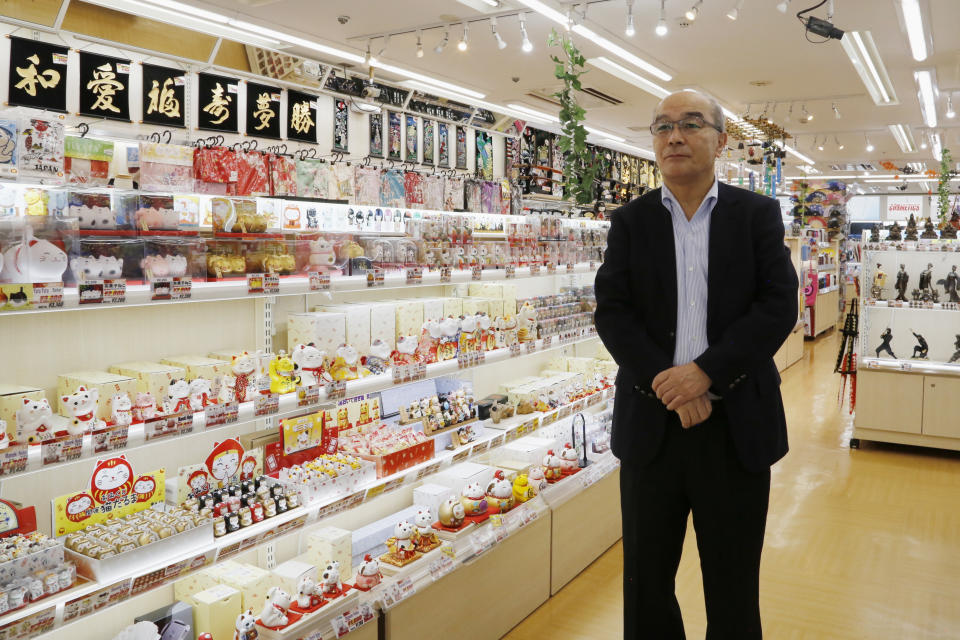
<point x="956" y="354"/>
<point x="885" y="338"/>
<point x="921" y="349"/>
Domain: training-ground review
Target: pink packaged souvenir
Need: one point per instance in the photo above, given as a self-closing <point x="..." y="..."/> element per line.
<point x="215" y="170"/>
<point x="367" y="186"/>
<point x="166" y="167"/>
<point x="413" y="188"/>
<point x="253" y="178"/>
<point x="283" y="176"/>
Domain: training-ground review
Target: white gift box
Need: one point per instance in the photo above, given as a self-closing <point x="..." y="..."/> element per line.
<point x="357" y="324"/>
<point x="328" y="544"/>
<point x="383" y="323"/>
<point x="215" y="610"/>
<point x="409" y="315"/>
<point x="460" y="475"/>
<point x="432" y="495"/>
<point x="433" y="309"/>
<point x="289" y="574"/>
<point x="452" y="307"/>
<point x="326" y="331"/>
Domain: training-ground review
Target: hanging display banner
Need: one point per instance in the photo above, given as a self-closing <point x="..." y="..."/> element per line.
<point x="301" y="116"/>
<point x="461" y="148"/>
<point x="263" y="110"/>
<point x="411" y="139"/>
<point x="376" y="135"/>
<point x="394" y="136"/>
<point x="104" y="86"/>
<point x="443" y="140"/>
<point x="484" y="154"/>
<point x="38" y="75"/>
<point x="341" y="125"/>
<point x="217" y="102"/>
<point x="164" y="96"/>
<point x="114" y="492"/>
<point x="429" y="127"/>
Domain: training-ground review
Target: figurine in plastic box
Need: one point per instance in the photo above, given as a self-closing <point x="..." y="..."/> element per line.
<point x="240" y="386"/>
<point x="346" y="364"/>
<point x="405" y="352"/>
<point x="500" y="493"/>
<point x="378" y="360"/>
<point x="199" y="393"/>
<point x="33" y="260"/>
<point x="522" y="491"/>
<point x="275" y="608"/>
<point x="309" y="363"/>
<point x="449" y="345"/>
<point x="402" y="549"/>
<point x="121" y="410"/>
<point x="553" y="469"/>
<point x="246" y="626"/>
<point x="322" y="254"/>
<point x="368" y="574"/>
<point x="82" y="409"/>
<point x="34" y="421"/>
<point x="474" y="499"/>
<point x="451" y="513"/>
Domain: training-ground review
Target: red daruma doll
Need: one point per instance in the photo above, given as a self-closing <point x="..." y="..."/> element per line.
<point x="144" y="488"/>
<point x="112" y="479"/>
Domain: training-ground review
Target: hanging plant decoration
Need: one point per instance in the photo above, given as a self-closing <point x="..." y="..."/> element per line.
<point x="948" y="223"/>
<point x="579" y="168"/>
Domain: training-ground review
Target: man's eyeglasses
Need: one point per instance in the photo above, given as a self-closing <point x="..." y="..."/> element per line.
<point x="690" y="124"/>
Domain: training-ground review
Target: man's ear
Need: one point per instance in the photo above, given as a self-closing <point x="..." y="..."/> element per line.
<point x="721" y="144"/>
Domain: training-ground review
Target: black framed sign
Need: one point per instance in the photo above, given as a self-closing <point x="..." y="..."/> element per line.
<point x="164" y="96"/>
<point x="104" y="86"/>
<point x="443" y="141"/>
<point x="394" y="136"/>
<point x="429" y="142"/>
<point x="376" y="135"/>
<point x="263" y="110"/>
<point x="461" y="147"/>
<point x="412" y="136"/>
<point x="217" y="106"/>
<point x="341" y="125"/>
<point x="301" y="116"/>
<point x="38" y="75"/>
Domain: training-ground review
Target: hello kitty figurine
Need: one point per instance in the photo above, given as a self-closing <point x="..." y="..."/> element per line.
<point x="322" y="254"/>
<point x="309" y="365"/>
<point x="199" y="390"/>
<point x="33" y="260"/>
<point x="346" y="365"/>
<point x="246" y="626"/>
<point x="145" y="407"/>
<point x="405" y="352"/>
<point x="473" y="499"/>
<point x="425" y="537"/>
<point x="34" y="421"/>
<point x="401" y="545"/>
<point x="500" y="493"/>
<point x="121" y="410"/>
<point x="82" y="409"/>
<point x="330" y="584"/>
<point x="378" y="360"/>
<point x="368" y="574"/>
<point x="178" y="397"/>
<point x="569" y="460"/>
<point x="449" y="340"/>
<point x="275" y="608"/>
<point x="306" y="596"/>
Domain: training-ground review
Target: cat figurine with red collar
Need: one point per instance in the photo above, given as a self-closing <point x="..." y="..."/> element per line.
<point x="330" y="584"/>
<point x="178" y="397"/>
<point x="243" y="381"/>
<point x="405" y="352"/>
<point x="246" y="626"/>
<point x="275" y="608"/>
<point x="309" y="364"/>
<point x="81" y="407"/>
<point x="121" y="410"/>
<point x="144" y="407"/>
<point x="199" y="389"/>
<point x="34" y="421"/>
<point x="368" y="574"/>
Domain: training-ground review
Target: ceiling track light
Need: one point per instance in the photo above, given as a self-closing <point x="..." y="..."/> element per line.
<point x="693" y="11"/>
<point x="368" y="57"/>
<point x="734" y="13"/>
<point x="526" y="45"/>
<point x="462" y="45"/>
<point x="496" y="35"/>
<point x="443" y="43"/>
<point x="630" y="29"/>
<point x="661" y="29"/>
<point x="783" y="6"/>
<point x="820" y="146"/>
<point x="923" y="141"/>
<point x="950" y="113"/>
<point x="386" y="43"/>
<point x="836" y="110"/>
<point x="789" y="113"/>
<point x="806" y="114"/>
<point x="869" y="146"/>
<point x="839" y="144"/>
<point x="419" y="43"/>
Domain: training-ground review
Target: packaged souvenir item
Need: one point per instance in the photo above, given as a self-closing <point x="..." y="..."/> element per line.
<point x="166" y="167"/>
<point x="490" y="197"/>
<point x="341" y="181"/>
<point x="156" y="213"/>
<point x="253" y="176"/>
<point x="473" y="195"/>
<point x="413" y="189"/>
<point x="453" y="194"/>
<point x="433" y="193"/>
<point x="283" y="175"/>
<point x="34" y="257"/>
<point x="283" y="376"/>
<point x="313" y="178"/>
<point x="215" y="171"/>
<point x="87" y="161"/>
<point x="392" y="187"/>
<point x="41" y="151"/>
<point x="8" y="149"/>
<point x="367" y="185"/>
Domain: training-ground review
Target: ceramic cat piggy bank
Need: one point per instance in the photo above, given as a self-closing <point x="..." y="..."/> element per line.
<point x="402" y="544"/>
<point x="178" y="397"/>
<point x="81" y="407"/>
<point x="121" y="410"/>
<point x="322" y="253"/>
<point x="274" y="612"/>
<point x="552" y="469"/>
<point x="199" y="393"/>
<point x="368" y="574"/>
<point x="536" y="479"/>
<point x="500" y="493"/>
<point x="474" y="500"/>
<point x="346" y="365"/>
<point x="242" y="381"/>
<point x="305" y="593"/>
<point x="110" y="268"/>
<point x="522" y="491"/>
<point x="569" y="460"/>
<point x="330" y="584"/>
<point x="33" y="260"/>
<point x="404" y="353"/>
<point x="34" y="421"/>
<point x="283" y="376"/>
<point x="246" y="626"/>
<point x="155" y="267"/>
<point x="144" y="407"/>
<point x="378" y="360"/>
<point x="451" y="513"/>
<point x="176" y="265"/>
<point x="309" y="363"/>
<point x="95" y="217"/>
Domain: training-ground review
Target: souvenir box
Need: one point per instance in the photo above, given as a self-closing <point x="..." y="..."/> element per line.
<point x="383" y="323"/>
<point x="431" y="495"/>
<point x="107" y="385"/>
<point x="328" y="544"/>
<point x="473" y="306"/>
<point x="215" y="610"/>
<point x="433" y="309"/>
<point x="288" y="574"/>
<point x="530" y="449"/>
<point x="225" y="259"/>
<point x="106" y="259"/>
<point x="252" y="583"/>
<point x="11" y="399"/>
<point x="390" y="463"/>
<point x="452" y="307"/>
<point x="327" y="488"/>
<point x="195" y="582"/>
<point x="356" y="324"/>
<point x="327" y="331"/>
<point x="150" y="376"/>
<point x="409" y="315"/>
<point x="174" y="258"/>
<point x="199" y="367"/>
<point x="49" y="558"/>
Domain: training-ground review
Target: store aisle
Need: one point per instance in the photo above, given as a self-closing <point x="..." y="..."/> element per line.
<point x="860" y="544"/>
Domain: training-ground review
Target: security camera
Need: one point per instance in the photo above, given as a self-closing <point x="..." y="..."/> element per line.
<point x="343" y="19"/>
<point x="371" y="91"/>
<point x="823" y="28"/>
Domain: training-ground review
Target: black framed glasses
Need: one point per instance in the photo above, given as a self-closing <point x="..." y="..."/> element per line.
<point x="688" y="125"/>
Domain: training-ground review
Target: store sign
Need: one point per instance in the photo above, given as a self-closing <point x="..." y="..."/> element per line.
<point x="164" y="96"/>
<point x="901" y="207"/>
<point x="104" y="86"/>
<point x="217" y="98"/>
<point x="263" y="110"/>
<point x="38" y="75"/>
<point x="301" y="116"/>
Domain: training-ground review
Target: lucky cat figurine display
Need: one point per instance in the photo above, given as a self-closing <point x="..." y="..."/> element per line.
<point x="145" y="407"/>
<point x="309" y="365"/>
<point x="199" y="393"/>
<point x="246" y="626"/>
<point x="178" y="397"/>
<point x="569" y="460"/>
<point x="33" y="260"/>
<point x="34" y="421"/>
<point x="449" y="339"/>
<point x="536" y="479"/>
<point x="243" y="368"/>
<point x="468" y="335"/>
<point x="552" y="469"/>
<point x="121" y="410"/>
<point x="346" y="365"/>
<point x="403" y="551"/>
<point x="500" y="493"/>
<point x="275" y="608"/>
<point x="307" y="597"/>
<point x="81" y="407"/>
<point x="368" y="574"/>
<point x="425" y="539"/>
<point x="522" y="491"/>
<point x="403" y="355"/>
<point x="451" y="513"/>
<point x="378" y="360"/>
<point x="283" y="376"/>
<point x="429" y="343"/>
<point x="330" y="583"/>
<point x="322" y="254"/>
<point x="526" y="323"/>
<point x="474" y="500"/>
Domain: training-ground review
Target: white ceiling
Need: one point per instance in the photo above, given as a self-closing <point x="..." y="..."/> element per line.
<point x="714" y="53"/>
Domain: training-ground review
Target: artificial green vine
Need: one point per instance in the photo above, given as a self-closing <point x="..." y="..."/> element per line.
<point x="579" y="169"/>
<point x="943" y="190"/>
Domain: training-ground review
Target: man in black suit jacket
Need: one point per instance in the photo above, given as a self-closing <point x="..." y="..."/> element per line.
<point x="695" y="295"/>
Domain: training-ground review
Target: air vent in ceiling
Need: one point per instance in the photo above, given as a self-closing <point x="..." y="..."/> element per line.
<point x="603" y="96"/>
<point x="640" y="128"/>
<point x="543" y="97"/>
<point x="591" y="98"/>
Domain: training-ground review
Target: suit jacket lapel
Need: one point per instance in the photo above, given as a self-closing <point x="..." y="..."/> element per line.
<point x="725" y="223"/>
<point x="665" y="254"/>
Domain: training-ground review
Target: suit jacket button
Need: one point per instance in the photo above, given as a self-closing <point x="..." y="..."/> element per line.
<point x="636" y="387"/>
<point x="732" y="385"/>
<point x="672" y="334"/>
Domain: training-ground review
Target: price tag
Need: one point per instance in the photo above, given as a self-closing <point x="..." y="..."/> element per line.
<point x="266" y="404"/>
<point x="375" y="491"/>
<point x="593" y="265"/>
<point x="460" y="457"/>
<point x="92" y="292"/>
<point x="263" y="283"/>
<point x="906" y="366"/>
<point x="496" y="520"/>
<point x="61" y="450"/>
<point x="181" y="288"/>
<point x="319" y="281"/>
<point x="496" y="442"/>
<point x="213" y="415"/>
<point x="547" y="342"/>
<point x="569" y="267"/>
<point x="271" y="283"/>
<point x="336" y="390"/>
<point x="375" y="278"/>
<point x="161" y="289"/>
<point x="441" y="566"/>
<point x="534" y="270"/>
<point x="406" y="588"/>
<point x="110" y="439"/>
<point x="551" y="268"/>
<point x="476" y="273"/>
<point x="480" y="447"/>
<point x="511" y="272"/>
<point x="445" y="274"/>
<point x="530" y="346"/>
<point x="231" y="411"/>
<point x="414" y="275"/>
<point x="514" y="350"/>
<point x="13" y="459"/>
<point x="308" y="396"/>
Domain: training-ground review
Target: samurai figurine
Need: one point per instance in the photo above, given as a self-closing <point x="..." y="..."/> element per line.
<point x="895" y="233"/>
<point x="921" y="348"/>
<point x="929" y="233"/>
<point x="885" y="338"/>
<point x="879" y="282"/>
<point x="950" y="284"/>
<point x="956" y="354"/>
<point x="926" y="292"/>
<point x="912" y="229"/>
<point x="902" y="279"/>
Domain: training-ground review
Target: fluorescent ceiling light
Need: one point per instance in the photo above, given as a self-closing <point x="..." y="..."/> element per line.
<point x="622" y="73"/>
<point x="937" y="146"/>
<point x="869" y="66"/>
<point x="300" y="42"/>
<point x="926" y="94"/>
<point x="546" y="10"/>
<point x="904" y="137"/>
<point x="913" y="22"/>
<point x="533" y="113"/>
<point x="604" y="134"/>
<point x="433" y="82"/>
<point x="794" y="152"/>
<point x="190" y="10"/>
